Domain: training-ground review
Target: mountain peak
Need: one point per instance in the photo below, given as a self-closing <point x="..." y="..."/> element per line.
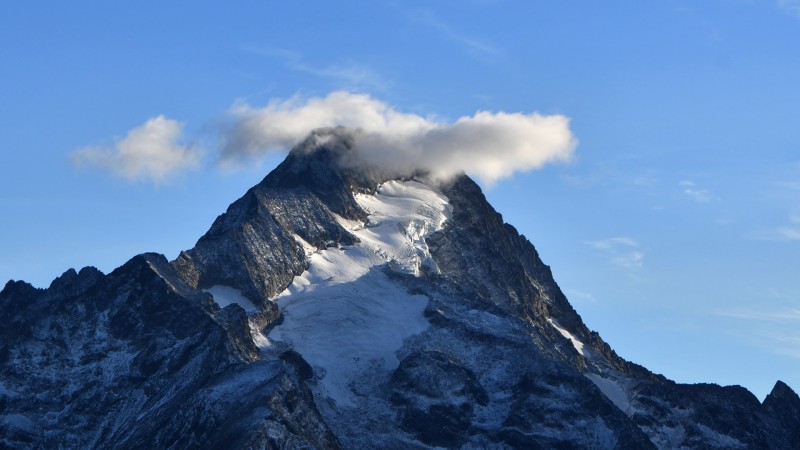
<point x="325" y="164"/>
<point x="257" y="244"/>
<point x="782" y="390"/>
<point x="324" y="150"/>
<point x="339" y="305"/>
<point x="784" y="405"/>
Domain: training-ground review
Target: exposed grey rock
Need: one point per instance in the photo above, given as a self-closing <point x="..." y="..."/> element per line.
<point x="253" y="247"/>
<point x="783" y="404"/>
<point x="130" y="360"/>
<point x="436" y="394"/>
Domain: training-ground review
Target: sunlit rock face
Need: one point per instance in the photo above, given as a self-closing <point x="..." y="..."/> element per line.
<point x="337" y="305"/>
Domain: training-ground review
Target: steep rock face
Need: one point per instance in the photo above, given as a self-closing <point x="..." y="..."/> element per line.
<point x="491" y="264"/>
<point x="254" y="245"/>
<point x="437" y="395"/>
<point x="137" y="359"/>
<point x="374" y="310"/>
<point x="783" y="404"/>
<point x="704" y="416"/>
<point x="496" y="264"/>
<point x="464" y="383"/>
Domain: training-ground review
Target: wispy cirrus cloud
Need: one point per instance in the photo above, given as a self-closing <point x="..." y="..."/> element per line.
<point x="788" y="314"/>
<point x="691" y="190"/>
<point x="473" y="45"/>
<point x="776" y="330"/>
<point x="791" y="231"/>
<point x="348" y="74"/>
<point x="151" y="151"/>
<point x="791" y="7"/>
<point x="620" y="251"/>
<point x="788" y="231"/>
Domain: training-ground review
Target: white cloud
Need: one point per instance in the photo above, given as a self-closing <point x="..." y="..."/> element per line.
<point x="698" y="195"/>
<point x="150" y="151"/>
<point x="631" y="260"/>
<point x="487" y="145"/>
<point x="621" y="251"/>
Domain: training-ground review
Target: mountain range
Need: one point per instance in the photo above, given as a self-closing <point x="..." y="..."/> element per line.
<point x="341" y="305"/>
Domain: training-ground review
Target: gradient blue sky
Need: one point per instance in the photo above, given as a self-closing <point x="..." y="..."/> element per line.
<point x="675" y="230"/>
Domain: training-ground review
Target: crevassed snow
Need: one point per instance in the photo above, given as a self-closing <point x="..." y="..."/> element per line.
<point x="344" y="314"/>
<point x="226" y="295"/>
<point x="575" y="342"/>
<point x="400" y="216"/>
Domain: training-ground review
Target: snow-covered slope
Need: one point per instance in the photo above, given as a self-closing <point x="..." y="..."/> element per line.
<point x="343" y="314"/>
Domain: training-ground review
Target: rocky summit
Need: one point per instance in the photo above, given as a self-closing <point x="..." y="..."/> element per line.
<point x="337" y="305"/>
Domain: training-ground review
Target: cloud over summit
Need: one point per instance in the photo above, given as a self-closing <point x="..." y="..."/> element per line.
<point x="488" y="145"/>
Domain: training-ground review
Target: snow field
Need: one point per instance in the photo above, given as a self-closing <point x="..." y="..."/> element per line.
<point x="344" y="314"/>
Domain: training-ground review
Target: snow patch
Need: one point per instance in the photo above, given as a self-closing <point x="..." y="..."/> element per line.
<point x="258" y="337"/>
<point x="575" y="342"/>
<point x="226" y="295"/>
<point x="721" y="440"/>
<point x="344" y="314"/>
<point x="613" y="391"/>
<point x="308" y="248"/>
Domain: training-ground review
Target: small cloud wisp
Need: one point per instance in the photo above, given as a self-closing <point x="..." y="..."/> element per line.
<point x="791" y="232"/>
<point x="698" y="195"/>
<point x="621" y="251"/>
<point x="149" y="152"/>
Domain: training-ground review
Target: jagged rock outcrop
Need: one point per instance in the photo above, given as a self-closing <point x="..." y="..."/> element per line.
<point x="254" y="245"/>
<point x="783" y="405"/>
<point x="365" y="309"/>
<point x="137" y="359"/>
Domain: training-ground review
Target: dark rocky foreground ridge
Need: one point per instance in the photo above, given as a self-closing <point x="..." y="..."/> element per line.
<point x="144" y="357"/>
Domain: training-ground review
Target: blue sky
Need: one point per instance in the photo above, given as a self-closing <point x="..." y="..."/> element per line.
<point x="674" y="229"/>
